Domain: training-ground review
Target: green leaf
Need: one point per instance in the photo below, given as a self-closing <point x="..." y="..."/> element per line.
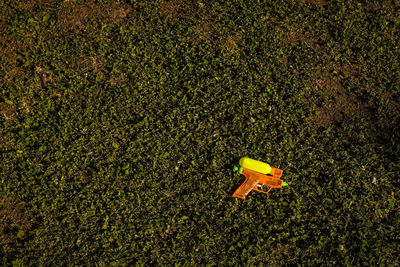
<point x="20" y="234"/>
<point x="105" y="225"/>
<point x="46" y="17"/>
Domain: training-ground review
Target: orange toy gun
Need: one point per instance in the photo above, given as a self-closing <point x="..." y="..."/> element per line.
<point x="257" y="175"/>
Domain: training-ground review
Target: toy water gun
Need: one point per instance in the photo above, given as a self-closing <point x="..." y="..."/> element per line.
<point x="258" y="174"/>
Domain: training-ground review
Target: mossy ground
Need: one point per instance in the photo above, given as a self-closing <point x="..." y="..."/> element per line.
<point x="121" y="122"/>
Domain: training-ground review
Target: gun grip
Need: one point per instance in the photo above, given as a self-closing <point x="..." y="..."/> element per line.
<point x="245" y="188"/>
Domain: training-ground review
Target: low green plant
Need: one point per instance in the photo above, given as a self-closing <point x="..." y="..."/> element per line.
<point x="120" y="122"/>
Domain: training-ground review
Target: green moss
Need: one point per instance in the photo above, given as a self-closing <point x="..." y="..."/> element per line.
<point x="121" y="122"/>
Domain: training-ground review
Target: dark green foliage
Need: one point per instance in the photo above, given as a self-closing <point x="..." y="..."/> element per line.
<point x="120" y="123"/>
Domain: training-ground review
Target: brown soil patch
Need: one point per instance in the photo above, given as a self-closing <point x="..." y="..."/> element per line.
<point x="8" y="54"/>
<point x="75" y="14"/>
<point x="174" y="9"/>
<point x="342" y="104"/>
<point x="78" y="13"/>
<point x="314" y="2"/>
<point x="16" y="220"/>
<point x="338" y="102"/>
<point x="296" y="36"/>
<point x="232" y="41"/>
<point x="42" y="4"/>
<point x="385" y="5"/>
<point x="8" y="111"/>
<point x="204" y="31"/>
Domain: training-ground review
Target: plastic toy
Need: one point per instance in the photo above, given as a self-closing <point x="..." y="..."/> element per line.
<point x="258" y="174"/>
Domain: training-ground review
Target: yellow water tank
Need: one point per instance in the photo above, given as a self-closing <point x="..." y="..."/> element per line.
<point x="255" y="165"/>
